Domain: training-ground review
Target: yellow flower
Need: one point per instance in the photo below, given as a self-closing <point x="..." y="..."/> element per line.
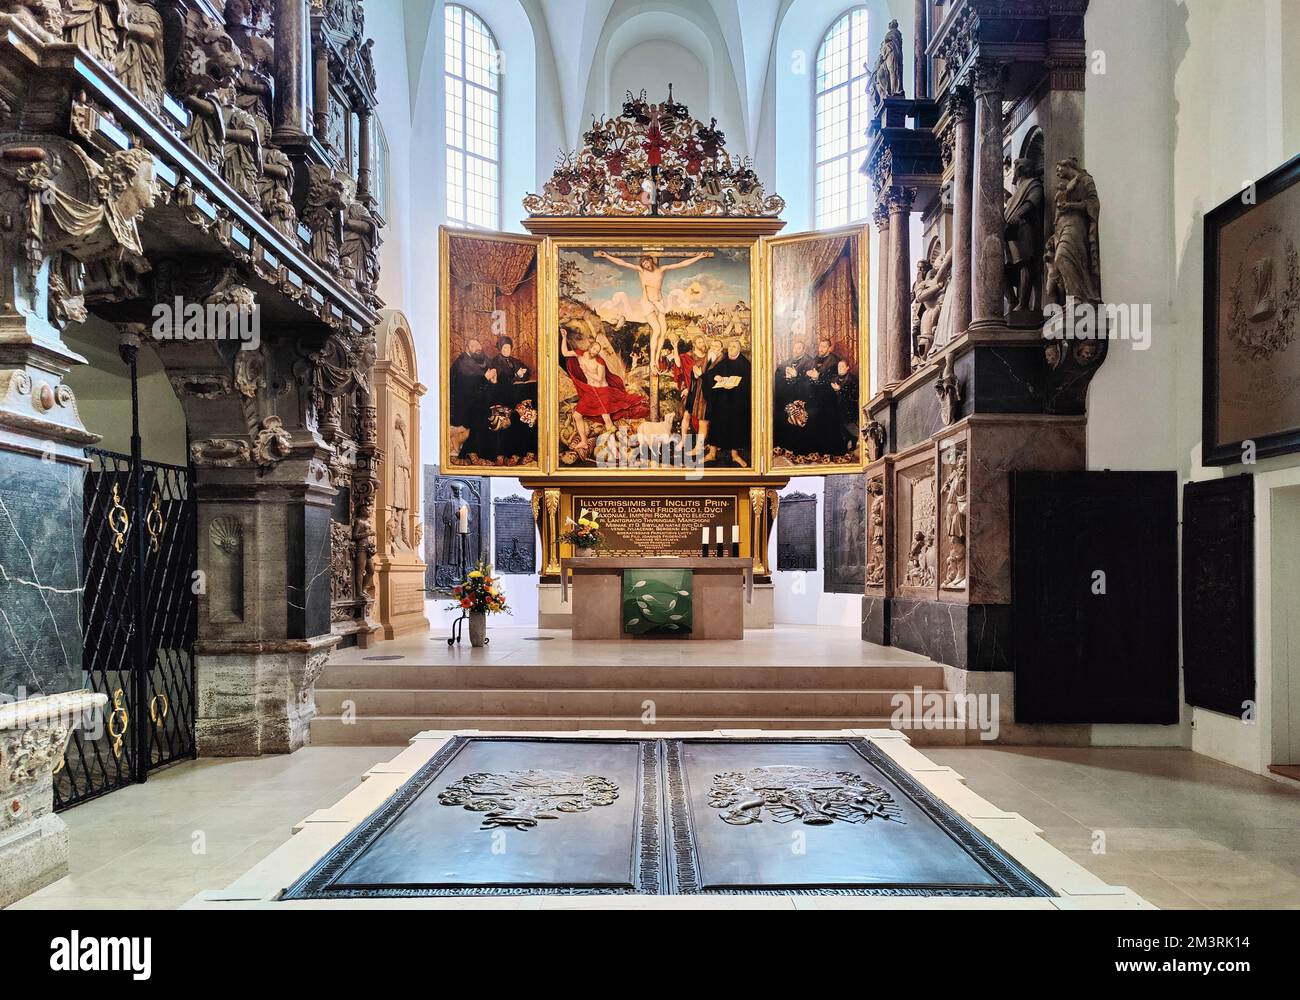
<point x="475" y="573"/>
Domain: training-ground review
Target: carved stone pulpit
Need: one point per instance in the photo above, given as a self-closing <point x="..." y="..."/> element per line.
<point x="397" y="391"/>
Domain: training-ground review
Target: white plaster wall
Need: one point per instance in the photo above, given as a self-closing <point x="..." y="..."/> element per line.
<point x="1211" y="88"/>
<point x="651" y="66"/>
<point x="799" y="598"/>
<point x="103" y="390"/>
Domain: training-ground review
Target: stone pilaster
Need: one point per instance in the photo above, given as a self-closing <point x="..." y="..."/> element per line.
<point x="898" y="326"/>
<point x="988" y="248"/>
<point x="963" y="157"/>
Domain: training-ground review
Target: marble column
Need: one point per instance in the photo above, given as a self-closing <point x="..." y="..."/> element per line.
<point x="988" y="278"/>
<point x="898" y="328"/>
<point x="364" y="167"/>
<point x="963" y="158"/>
<point x="921" y="74"/>
<point x="292" y="59"/>
<point x="881" y="219"/>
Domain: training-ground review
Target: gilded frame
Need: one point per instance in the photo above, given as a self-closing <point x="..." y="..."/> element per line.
<point x="445" y="465"/>
<point x="863" y="233"/>
<point x="758" y="359"/>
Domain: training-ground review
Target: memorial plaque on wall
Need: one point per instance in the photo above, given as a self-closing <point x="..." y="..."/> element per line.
<point x="1219" y="594"/>
<point x="844" y="524"/>
<point x="796" y="532"/>
<point x="659" y="525"/>
<point x="515" y="550"/>
<point x="450" y="553"/>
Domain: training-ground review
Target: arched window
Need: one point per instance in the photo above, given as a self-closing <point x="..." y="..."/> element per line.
<point x="473" y="82"/>
<point x="843" y="193"/>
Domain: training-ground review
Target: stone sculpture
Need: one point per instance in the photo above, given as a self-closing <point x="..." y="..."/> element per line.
<point x="1024" y="237"/>
<point x="1075" y="270"/>
<point x="887" y="74"/>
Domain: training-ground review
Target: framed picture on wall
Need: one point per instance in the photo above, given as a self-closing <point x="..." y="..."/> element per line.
<point x="1252" y="322"/>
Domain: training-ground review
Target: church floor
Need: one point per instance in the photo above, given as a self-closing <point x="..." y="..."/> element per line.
<point x="1180" y="830"/>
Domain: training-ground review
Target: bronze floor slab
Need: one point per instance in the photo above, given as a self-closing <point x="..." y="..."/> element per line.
<point x="519" y="815"/>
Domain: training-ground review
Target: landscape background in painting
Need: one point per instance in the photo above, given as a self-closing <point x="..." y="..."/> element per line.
<point x="709" y="299"/>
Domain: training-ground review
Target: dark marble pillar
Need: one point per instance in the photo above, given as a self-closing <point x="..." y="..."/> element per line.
<point x="988" y="278"/>
<point x="292" y="74"/>
<point x="881" y="219"/>
<point x="963" y="158"/>
<point x="921" y="74"/>
<point x="898" y="328"/>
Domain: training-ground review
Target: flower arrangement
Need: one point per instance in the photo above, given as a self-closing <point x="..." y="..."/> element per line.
<point x="480" y="592"/>
<point x="584" y="533"/>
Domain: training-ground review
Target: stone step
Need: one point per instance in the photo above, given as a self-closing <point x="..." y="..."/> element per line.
<point x="376" y="730"/>
<point x="530" y="701"/>
<point x="730" y="676"/>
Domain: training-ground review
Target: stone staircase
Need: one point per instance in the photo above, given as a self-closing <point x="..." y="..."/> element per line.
<point x="382" y="704"/>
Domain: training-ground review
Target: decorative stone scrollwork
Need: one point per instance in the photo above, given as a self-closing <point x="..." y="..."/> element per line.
<point x="220" y="452"/>
<point x="272" y="442"/>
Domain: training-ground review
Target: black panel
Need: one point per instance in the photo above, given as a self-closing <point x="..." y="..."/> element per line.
<point x="844" y="535"/>
<point x="796" y="532"/>
<point x="446" y="562"/>
<point x="307" y="564"/>
<point x="1095" y="584"/>
<point x="1219" y="594"/>
<point x="515" y="546"/>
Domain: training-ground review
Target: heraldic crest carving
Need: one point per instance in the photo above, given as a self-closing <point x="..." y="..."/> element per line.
<point x="789" y="792"/>
<point x="653" y="159"/>
<point x="518" y="799"/>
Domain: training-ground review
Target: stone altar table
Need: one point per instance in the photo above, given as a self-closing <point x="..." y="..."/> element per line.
<point x="597" y="582"/>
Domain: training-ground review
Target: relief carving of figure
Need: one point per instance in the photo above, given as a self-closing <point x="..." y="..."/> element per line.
<point x="887" y="74"/>
<point x="361" y="241"/>
<point x="928" y="302"/>
<point x="954" y="520"/>
<point x="1024" y="237"/>
<point x="41" y="15"/>
<point x="212" y="61"/>
<point x="876" y="534"/>
<point x="1076" y="260"/>
<point x="140" y="61"/>
<point x="363" y="536"/>
<point x="93" y="24"/>
<point x="401" y="502"/>
<point x="328" y="197"/>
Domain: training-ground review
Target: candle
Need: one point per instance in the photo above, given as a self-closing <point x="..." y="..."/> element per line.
<point x="717" y="535"/>
<point x="704" y="536"/>
<point x="462" y="522"/>
<point x="735" y="534"/>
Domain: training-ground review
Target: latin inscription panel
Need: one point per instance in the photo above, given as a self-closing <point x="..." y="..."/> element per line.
<point x="659" y="525"/>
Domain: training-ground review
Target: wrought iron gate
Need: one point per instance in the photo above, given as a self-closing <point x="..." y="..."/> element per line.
<point x="140" y="618"/>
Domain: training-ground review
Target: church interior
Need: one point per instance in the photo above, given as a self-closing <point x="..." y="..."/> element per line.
<point x="537" y="454"/>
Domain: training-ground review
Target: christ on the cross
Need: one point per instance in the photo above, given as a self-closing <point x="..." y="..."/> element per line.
<point x="651" y="273"/>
